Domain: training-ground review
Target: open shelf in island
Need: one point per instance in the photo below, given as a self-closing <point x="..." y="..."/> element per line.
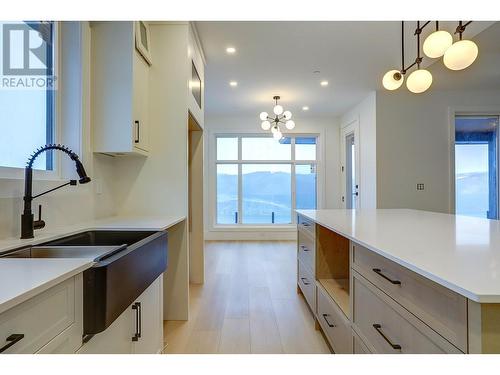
<point x="332" y="266"/>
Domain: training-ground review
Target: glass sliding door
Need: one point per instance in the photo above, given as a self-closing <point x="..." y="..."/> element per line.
<point x="476" y="161"/>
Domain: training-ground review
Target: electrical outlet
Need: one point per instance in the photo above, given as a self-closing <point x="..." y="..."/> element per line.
<point x="420" y="186"/>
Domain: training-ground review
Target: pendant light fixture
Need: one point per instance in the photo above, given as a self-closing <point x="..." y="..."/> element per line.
<point x="456" y="56"/>
<point x="280" y="118"/>
<point x="462" y="53"/>
<point x="436" y="44"/>
<point x="421" y="79"/>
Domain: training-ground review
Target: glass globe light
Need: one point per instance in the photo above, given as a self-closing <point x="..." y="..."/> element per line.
<point x="266" y="125"/>
<point x="287" y="114"/>
<point x="263" y="116"/>
<point x="436" y="44"/>
<point x="277" y="135"/>
<point x="290" y="124"/>
<point x="275" y="129"/>
<point x="419" y="81"/>
<point x="278" y="110"/>
<point x="460" y="55"/>
<point x="392" y="80"/>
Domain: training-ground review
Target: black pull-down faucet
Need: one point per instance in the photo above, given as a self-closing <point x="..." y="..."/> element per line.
<point x="27" y="222"/>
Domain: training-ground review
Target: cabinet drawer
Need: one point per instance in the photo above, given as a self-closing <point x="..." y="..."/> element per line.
<point x="39" y="319"/>
<point x="442" y="309"/>
<point x="307" y="284"/>
<point x="306" y="249"/>
<point x="306" y="225"/>
<point x="334" y="324"/>
<point x="358" y="346"/>
<point x="388" y="327"/>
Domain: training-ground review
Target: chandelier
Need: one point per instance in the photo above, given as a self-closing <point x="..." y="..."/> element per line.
<point x="280" y="118"/>
<point x="456" y="56"/>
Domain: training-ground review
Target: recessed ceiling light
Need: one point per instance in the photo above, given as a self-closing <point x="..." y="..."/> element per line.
<point x="233" y="83"/>
<point x="324" y="83"/>
<point x="231" y="50"/>
<point x="305" y="108"/>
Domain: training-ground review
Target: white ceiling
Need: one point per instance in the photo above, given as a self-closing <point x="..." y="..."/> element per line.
<point x="279" y="58"/>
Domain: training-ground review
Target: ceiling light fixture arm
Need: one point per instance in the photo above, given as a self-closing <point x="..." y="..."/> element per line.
<point x="461" y="28"/>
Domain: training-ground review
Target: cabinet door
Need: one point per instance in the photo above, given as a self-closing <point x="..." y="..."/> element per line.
<point x="151" y="318"/>
<point x="116" y="339"/>
<point x="140" y="133"/>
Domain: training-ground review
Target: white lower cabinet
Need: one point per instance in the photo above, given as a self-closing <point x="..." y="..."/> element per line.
<point x="50" y="322"/>
<point x="139" y="329"/>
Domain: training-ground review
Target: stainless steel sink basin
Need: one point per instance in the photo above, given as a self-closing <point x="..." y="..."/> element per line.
<point x="95" y="253"/>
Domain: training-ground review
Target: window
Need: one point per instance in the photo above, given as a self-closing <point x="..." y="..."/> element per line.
<point x="260" y="181"/>
<point x="27" y="93"/>
<point x="476" y="160"/>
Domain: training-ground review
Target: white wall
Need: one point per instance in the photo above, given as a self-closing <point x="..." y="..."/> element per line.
<point x="365" y="113"/>
<point x="328" y="178"/>
<point x="414" y="145"/>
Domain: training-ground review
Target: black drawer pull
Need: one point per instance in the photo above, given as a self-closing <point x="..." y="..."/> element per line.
<point x="304" y="248"/>
<point x="11" y="340"/>
<point x="378" y="328"/>
<point x="137" y="306"/>
<point x="304" y="282"/>
<point x="137" y="130"/>
<point x="306" y="224"/>
<point x="379" y="272"/>
<point x="327" y="322"/>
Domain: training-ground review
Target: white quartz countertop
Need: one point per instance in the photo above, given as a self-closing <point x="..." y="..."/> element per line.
<point x="21" y="279"/>
<point x="459" y="252"/>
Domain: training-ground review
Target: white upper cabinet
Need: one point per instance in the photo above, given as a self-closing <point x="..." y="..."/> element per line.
<point x="120" y="90"/>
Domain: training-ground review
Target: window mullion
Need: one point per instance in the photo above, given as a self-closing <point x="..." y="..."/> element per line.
<point x="240" y="186"/>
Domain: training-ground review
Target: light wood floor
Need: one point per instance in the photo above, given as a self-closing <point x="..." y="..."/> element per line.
<point x="248" y="304"/>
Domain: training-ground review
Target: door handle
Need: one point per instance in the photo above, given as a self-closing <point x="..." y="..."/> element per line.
<point x="378" y="328"/>
<point x="11" y="340"/>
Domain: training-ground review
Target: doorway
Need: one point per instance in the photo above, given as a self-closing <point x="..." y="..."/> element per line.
<point x="195" y="202"/>
<point x="350" y="165"/>
<point x="476" y="166"/>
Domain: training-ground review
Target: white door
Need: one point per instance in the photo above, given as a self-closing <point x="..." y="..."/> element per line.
<point x="349" y="148"/>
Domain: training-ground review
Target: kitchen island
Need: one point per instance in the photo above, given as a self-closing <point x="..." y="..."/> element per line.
<point x="401" y="281"/>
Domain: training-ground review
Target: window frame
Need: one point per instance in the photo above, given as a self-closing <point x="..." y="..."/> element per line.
<point x="240" y="162"/>
<point x="53" y="115"/>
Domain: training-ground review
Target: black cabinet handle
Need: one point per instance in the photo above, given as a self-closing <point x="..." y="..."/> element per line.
<point x="378" y="328"/>
<point x="379" y="272"/>
<point x="306" y="224"/>
<point x="137" y="129"/>
<point x="304" y="282"/>
<point x="136" y="307"/>
<point x="11" y="340"/>
<point x="327" y="322"/>
<point x="304" y="248"/>
<point x="140" y="319"/>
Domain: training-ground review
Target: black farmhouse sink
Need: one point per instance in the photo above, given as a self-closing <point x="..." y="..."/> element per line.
<point x="127" y="262"/>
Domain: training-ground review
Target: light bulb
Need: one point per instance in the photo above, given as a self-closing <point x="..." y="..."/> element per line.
<point x="419" y="81"/>
<point x="392" y="80"/>
<point x="278" y="110"/>
<point x="290" y="124"/>
<point x="266" y="125"/>
<point x="460" y="55"/>
<point x="277" y="135"/>
<point x="275" y="129"/>
<point x="263" y="116"/>
<point x="436" y="44"/>
<point x="287" y="114"/>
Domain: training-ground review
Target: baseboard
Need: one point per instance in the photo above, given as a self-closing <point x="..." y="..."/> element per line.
<point x="235" y="235"/>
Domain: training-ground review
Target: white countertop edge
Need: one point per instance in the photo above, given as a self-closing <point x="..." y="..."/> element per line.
<point x="109" y="223"/>
<point x="30" y="293"/>
<point x="464" y="292"/>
